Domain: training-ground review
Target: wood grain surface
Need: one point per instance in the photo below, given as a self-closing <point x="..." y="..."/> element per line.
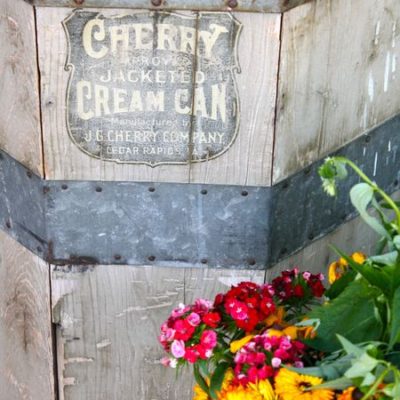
<point x="338" y="77"/>
<point x="26" y="358"/>
<point x="20" y="133"/>
<point x="247" y="162"/>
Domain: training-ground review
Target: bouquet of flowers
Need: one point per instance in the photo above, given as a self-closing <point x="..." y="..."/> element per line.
<point x="294" y="339"/>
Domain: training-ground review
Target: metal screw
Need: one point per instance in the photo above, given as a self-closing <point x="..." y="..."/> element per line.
<point x="156" y="3"/>
<point x="232" y="3"/>
<point x="151" y="258"/>
<point x="152" y="189"/>
<point x="204" y="261"/>
<point x="64" y="186"/>
<point x="245" y="193"/>
<point x="204" y="191"/>
<point x="117" y="257"/>
<point x="99" y="189"/>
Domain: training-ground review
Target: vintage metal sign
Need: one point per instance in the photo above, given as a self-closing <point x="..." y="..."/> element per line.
<point x="152" y="87"/>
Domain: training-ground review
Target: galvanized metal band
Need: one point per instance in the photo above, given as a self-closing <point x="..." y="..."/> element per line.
<point x="264" y="6"/>
<point x="185" y="225"/>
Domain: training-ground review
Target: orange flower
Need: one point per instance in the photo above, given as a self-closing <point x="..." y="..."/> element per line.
<point x="338" y="268"/>
<point x="346" y="394"/>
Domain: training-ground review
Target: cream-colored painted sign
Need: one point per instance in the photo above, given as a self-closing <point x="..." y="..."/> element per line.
<point x="152" y="87"/>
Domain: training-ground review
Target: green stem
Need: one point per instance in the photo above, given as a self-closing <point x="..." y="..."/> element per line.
<point x="373" y="388"/>
<point x="375" y="187"/>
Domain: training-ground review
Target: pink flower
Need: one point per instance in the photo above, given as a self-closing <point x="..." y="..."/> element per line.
<point x="193" y="319"/>
<point x="306" y="275"/>
<point x="276" y="362"/>
<point x="178" y="348"/>
<point x="169" y="334"/>
<point x="285" y="343"/>
<point x="238" y="310"/>
<point x="298" y="364"/>
<point x="166" y="361"/>
<point x="208" y="339"/>
<point x="178" y="312"/>
<point x="282" y="354"/>
<point x="203" y="304"/>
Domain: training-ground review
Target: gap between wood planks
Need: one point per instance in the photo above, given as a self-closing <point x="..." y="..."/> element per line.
<point x="42" y="144"/>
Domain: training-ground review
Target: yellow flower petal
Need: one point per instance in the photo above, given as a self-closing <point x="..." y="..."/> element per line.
<point x="276" y="317"/>
<point x="274" y="332"/>
<point x="293" y="386"/>
<point x="291" y="331"/>
<point x="359" y="257"/>
<point x="236" y="345"/>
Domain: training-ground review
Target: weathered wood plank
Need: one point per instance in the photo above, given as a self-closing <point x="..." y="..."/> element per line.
<point x="338" y="77"/>
<point x="26" y="359"/>
<point x="20" y="133"/>
<point x="246" y="162"/>
<point x="352" y="236"/>
<point x="109" y="319"/>
<point x="249" y="159"/>
<point x="64" y="160"/>
<point x="243" y="5"/>
<point x="206" y="283"/>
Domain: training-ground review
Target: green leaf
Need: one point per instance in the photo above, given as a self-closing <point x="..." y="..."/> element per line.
<point x="396" y="242"/>
<point x="361" y="367"/>
<point x="350" y="348"/>
<point x="386" y="259"/>
<point x="369" y="379"/>
<point x="329" y="371"/>
<point x="217" y="378"/>
<point x="395" y="323"/>
<point x="339" y="285"/>
<point x="351" y="315"/>
<point x="336" y="384"/>
<point x="361" y="195"/>
<point x="200" y="380"/>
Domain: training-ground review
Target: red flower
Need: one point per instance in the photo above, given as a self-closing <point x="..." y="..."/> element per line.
<point x="183" y="330"/>
<point x="267" y="306"/>
<point x="317" y="288"/>
<point x="211" y="319"/>
<point x="298" y="291"/>
<point x="191" y="355"/>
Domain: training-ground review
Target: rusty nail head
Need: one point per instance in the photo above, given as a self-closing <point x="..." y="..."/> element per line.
<point x="156" y="3"/>
<point x="232" y="3"/>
